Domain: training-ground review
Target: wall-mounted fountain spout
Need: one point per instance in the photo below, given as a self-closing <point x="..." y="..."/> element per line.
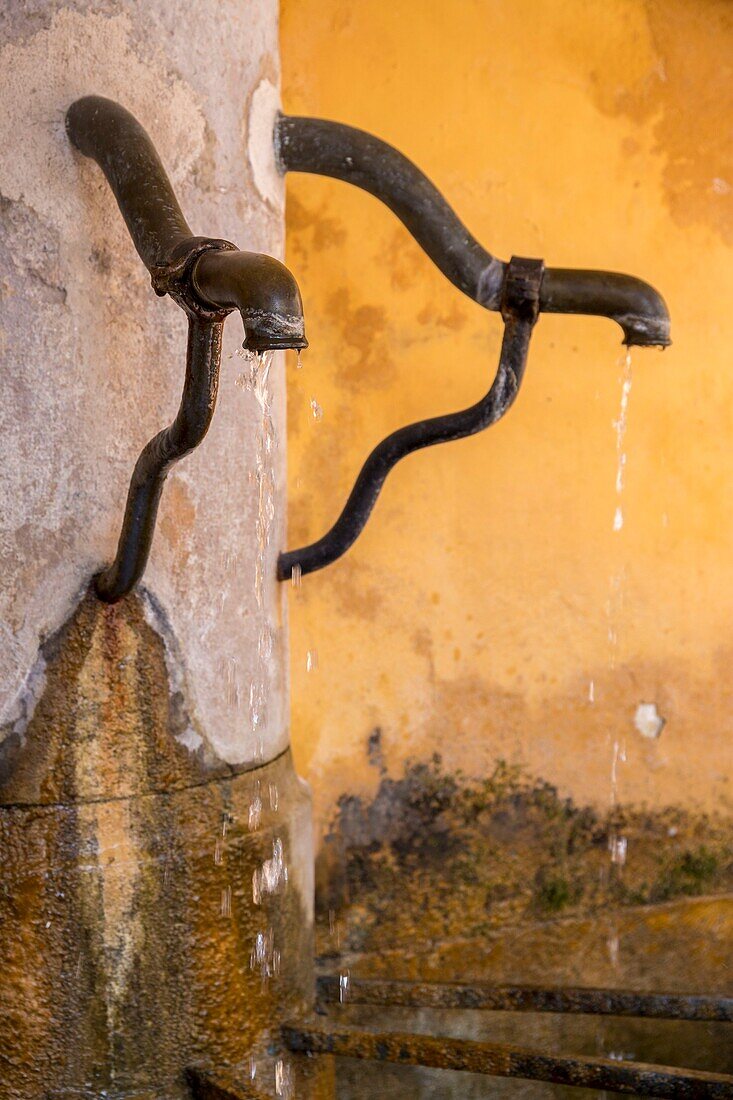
<point x="208" y="278"/>
<point x="520" y="290"/>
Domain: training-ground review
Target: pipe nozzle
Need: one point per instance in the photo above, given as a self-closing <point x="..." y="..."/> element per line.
<point x="633" y="304"/>
<point x="261" y="288"/>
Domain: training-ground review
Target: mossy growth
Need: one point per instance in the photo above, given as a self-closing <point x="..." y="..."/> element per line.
<point x="438" y="855"/>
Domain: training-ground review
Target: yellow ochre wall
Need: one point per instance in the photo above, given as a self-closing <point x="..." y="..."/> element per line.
<point x="473" y="613"/>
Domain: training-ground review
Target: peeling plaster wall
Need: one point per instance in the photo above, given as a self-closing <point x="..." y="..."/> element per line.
<point x="93" y="361"/>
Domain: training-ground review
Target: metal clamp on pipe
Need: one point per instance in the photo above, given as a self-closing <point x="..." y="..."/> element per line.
<point x="208" y="278"/>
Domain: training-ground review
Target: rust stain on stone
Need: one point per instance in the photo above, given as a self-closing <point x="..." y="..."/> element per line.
<point x="178" y="515"/>
<point x="127" y="916"/>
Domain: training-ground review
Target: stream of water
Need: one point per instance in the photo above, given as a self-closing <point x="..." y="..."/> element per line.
<point x="617" y="843"/>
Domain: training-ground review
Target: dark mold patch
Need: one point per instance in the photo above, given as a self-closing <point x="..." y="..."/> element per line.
<point x="435" y="856"/>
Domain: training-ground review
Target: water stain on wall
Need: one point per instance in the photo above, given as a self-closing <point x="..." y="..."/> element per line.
<point x="687" y="95"/>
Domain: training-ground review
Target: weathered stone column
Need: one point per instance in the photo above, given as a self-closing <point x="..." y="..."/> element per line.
<point x="155" y="850"/>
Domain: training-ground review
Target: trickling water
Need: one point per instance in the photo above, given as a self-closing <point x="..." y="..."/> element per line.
<point x="226" y="901"/>
<point x="296" y="576"/>
<point x="618" y="844"/>
<point x="283" y="1080"/>
<point x="255" y="809"/>
<point x="255" y="379"/>
<point x="262" y="955"/>
<point x="272" y="875"/>
<point x="274" y="797"/>
<point x="620" y="426"/>
<point x="344" y="986"/>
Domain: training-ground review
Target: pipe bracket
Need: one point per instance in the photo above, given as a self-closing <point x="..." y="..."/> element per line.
<point x="176" y="277"/>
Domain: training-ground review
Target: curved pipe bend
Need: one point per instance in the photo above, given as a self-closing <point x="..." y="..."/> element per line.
<point x="519" y="309"/>
<point x="191" y="424"/>
<point x="414" y="437"/>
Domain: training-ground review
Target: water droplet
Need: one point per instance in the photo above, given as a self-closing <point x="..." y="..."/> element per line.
<point x="262" y="955"/>
<point x="226" y="902"/>
<point x="316" y="410"/>
<point x="272" y="875"/>
<point x="592" y="692"/>
<point x="618" y="846"/>
<point x="311" y="660"/>
<point x="618" y="519"/>
<point x="252" y="1067"/>
<point x="344" y="980"/>
<point x="274" y="798"/>
<point x="283" y="1080"/>
<point x="613" y="944"/>
<point x="299" y="361"/>
<point x="265" y="643"/>
<point x="296" y="576"/>
<point x="218" y="853"/>
<point x="255" y="813"/>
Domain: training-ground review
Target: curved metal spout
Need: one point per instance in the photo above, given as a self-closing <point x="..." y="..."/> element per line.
<point x="261" y="288"/>
<point x="208" y="278"/>
<point x="345" y="153"/>
<point x="201" y="273"/>
<point x="356" y="157"/>
<point x="633" y="304"/>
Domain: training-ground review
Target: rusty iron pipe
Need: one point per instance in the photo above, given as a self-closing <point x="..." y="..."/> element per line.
<point x="520" y="312"/>
<point x="354" y="156"/>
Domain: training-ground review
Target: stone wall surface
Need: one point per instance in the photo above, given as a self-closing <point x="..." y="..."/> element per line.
<point x="93" y="361"/>
<point x="155" y="843"/>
